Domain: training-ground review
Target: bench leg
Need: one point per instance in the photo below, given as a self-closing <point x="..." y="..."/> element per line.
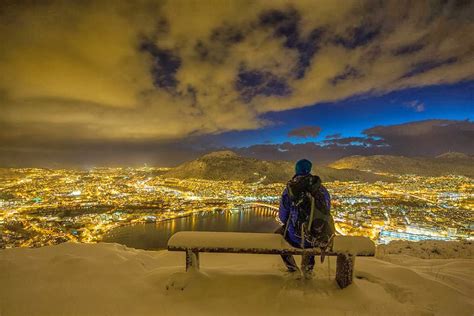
<point x="192" y="259"/>
<point x="344" y="269"/>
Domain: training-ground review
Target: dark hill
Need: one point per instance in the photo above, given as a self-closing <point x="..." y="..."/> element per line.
<point x="449" y="163"/>
<point x="227" y="165"/>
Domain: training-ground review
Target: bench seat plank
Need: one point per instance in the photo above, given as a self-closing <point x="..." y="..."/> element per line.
<point x="354" y="245"/>
<point x="293" y="251"/>
<point x="262" y="243"/>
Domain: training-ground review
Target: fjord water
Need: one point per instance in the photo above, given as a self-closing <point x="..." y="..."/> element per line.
<point x="152" y="236"/>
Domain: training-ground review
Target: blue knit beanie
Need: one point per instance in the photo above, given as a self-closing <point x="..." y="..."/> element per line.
<point x="303" y="167"/>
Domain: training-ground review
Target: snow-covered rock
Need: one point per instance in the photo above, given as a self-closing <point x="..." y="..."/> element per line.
<point x="109" y="279"/>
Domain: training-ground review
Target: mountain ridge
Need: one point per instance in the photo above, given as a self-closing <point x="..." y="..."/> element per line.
<point x="227" y="165"/>
<point x="445" y="164"/>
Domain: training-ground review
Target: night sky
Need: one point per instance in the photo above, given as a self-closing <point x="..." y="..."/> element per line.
<point x="107" y="83"/>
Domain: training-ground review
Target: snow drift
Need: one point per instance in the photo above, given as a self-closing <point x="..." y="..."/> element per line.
<point x="110" y="279"/>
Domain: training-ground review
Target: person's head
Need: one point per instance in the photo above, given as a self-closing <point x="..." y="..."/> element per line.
<point x="303" y="167"/>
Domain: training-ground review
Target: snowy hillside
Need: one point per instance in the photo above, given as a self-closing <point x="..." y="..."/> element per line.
<point x="109" y="279"/>
<point x="428" y="249"/>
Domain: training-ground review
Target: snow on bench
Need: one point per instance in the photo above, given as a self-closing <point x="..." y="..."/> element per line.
<point x="346" y="248"/>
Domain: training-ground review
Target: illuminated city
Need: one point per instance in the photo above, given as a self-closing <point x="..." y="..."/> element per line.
<point x="42" y="206"/>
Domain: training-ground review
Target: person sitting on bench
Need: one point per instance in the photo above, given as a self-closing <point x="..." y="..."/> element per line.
<point x="305" y="213"/>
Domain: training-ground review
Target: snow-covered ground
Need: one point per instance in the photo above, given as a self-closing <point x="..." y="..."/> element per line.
<point x="110" y="279"/>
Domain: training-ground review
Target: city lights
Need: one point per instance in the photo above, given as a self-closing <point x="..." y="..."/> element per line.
<point x="42" y="207"/>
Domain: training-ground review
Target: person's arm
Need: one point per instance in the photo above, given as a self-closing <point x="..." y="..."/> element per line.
<point x="284" y="212"/>
<point x="327" y="198"/>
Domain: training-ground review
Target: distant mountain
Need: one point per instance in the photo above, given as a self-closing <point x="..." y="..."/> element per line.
<point x="453" y="155"/>
<point x="449" y="163"/>
<point x="227" y="165"/>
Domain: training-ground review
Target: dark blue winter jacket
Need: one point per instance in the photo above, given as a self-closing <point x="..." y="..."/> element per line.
<point x="289" y="214"/>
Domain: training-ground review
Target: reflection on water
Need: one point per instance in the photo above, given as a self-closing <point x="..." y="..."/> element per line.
<point x="155" y="235"/>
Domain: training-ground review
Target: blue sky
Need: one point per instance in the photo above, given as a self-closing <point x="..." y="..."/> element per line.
<point x="350" y="117"/>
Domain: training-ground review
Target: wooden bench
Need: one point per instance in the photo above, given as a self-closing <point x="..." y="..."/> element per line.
<point x="345" y="248"/>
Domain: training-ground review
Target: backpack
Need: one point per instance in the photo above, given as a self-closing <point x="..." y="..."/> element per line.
<point x="314" y="223"/>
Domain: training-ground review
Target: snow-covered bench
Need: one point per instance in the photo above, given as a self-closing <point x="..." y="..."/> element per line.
<point x="346" y="248"/>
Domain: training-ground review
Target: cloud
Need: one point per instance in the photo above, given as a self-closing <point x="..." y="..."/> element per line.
<point x="416" y="105"/>
<point x="332" y="136"/>
<point x="421" y="138"/>
<point x="426" y="138"/>
<point x="355" y="141"/>
<point x="318" y="153"/>
<point x="305" y="132"/>
<point x="161" y="71"/>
